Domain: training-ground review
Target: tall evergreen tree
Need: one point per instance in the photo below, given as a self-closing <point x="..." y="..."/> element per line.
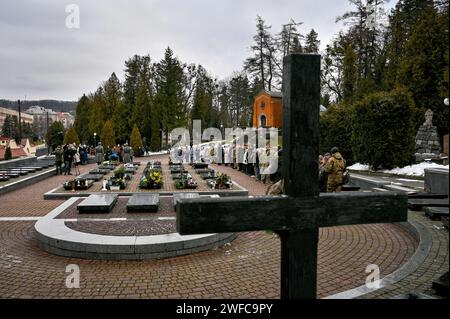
<point x="10" y="127"/>
<point x="349" y="74"/>
<point x="95" y="115"/>
<point x="55" y="134"/>
<point x="71" y="136"/>
<point x="108" y="137"/>
<point x="123" y="113"/>
<point x="202" y="107"/>
<point x="262" y="63"/>
<point x="423" y="67"/>
<point x="136" y="140"/>
<point x="312" y="42"/>
<point x="112" y="96"/>
<point x="82" y="119"/>
<point x="170" y="99"/>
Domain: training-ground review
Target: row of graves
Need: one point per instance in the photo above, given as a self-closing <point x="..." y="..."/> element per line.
<point x="20" y="170"/>
<point x="119" y="177"/>
<point x="133" y="215"/>
<point x="214" y="180"/>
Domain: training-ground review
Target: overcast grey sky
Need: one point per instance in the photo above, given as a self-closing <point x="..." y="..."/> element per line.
<point x="42" y="59"/>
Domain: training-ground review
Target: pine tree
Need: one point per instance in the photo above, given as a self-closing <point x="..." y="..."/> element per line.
<point x="170" y="98"/>
<point x="262" y="63"/>
<point x="240" y="93"/>
<point x="71" y="136"/>
<point x="95" y="115"/>
<point x="112" y="95"/>
<point x="141" y="115"/>
<point x="312" y="43"/>
<point x="425" y="62"/>
<point x="122" y="116"/>
<point x="136" y="140"/>
<point x="203" y="98"/>
<point x="107" y="137"/>
<point x="10" y="128"/>
<point x="82" y="119"/>
<point x="349" y="74"/>
<point x="155" y="142"/>
<point x="55" y="134"/>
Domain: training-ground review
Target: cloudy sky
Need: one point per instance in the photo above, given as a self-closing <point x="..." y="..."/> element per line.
<point x="40" y="58"/>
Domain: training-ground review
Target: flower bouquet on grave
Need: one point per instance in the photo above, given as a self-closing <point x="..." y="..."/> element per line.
<point x="222" y="181"/>
<point x="151" y="180"/>
<point x="119" y="172"/>
<point x="180" y="184"/>
<point x="156" y="178"/>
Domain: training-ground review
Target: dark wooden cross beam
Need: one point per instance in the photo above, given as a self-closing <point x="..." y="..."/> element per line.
<point x="298" y="216"/>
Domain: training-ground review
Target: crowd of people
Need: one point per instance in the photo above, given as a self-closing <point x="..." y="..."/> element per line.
<point x="261" y="163"/>
<point x="70" y="156"/>
<point x="120" y="153"/>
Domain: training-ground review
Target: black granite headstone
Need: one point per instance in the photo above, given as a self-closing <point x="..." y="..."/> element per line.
<point x="143" y="203"/>
<point x="102" y="203"/>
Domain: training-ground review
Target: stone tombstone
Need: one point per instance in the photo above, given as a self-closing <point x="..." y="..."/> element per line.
<point x="428" y="145"/>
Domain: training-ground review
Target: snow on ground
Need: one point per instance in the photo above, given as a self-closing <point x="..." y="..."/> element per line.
<point x="412" y="170"/>
<point x="359" y="167"/>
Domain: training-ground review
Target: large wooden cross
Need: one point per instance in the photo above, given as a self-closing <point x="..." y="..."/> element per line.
<point x="297" y="216"/>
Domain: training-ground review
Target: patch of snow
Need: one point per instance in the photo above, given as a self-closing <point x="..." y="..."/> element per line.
<point x="412" y="170"/>
<point x="359" y="167"/>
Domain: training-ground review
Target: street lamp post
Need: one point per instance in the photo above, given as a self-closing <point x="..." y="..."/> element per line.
<point x="95" y="139"/>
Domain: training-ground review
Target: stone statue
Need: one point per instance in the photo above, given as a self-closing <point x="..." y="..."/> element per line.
<point x="427" y="140"/>
<point x="428" y="118"/>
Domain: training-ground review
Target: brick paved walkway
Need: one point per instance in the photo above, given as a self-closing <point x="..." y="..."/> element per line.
<point x="435" y="264"/>
<point x="247" y="268"/>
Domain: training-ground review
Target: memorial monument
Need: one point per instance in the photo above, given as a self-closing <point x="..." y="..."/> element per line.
<point x="428" y="146"/>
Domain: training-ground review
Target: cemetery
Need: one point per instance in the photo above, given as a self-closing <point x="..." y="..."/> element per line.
<point x="151" y="177"/>
<point x="168" y="209"/>
<point x="314" y="168"/>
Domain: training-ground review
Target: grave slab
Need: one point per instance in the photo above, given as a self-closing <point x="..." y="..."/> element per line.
<point x="423" y="195"/>
<point x="143" y="203"/>
<point x="419" y="204"/>
<point x="92" y="177"/>
<point x="435" y="213"/>
<point x="102" y="203"/>
<point x="178" y="196"/>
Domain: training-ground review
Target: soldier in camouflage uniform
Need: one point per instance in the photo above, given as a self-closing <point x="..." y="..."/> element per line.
<point x="335" y="168"/>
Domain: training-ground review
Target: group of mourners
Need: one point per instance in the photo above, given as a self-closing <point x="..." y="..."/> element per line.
<point x="263" y="163"/>
<point x="70" y="156"/>
<point x="259" y="162"/>
<point x="120" y="153"/>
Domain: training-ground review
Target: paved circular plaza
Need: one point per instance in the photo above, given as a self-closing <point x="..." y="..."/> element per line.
<point x="249" y="267"/>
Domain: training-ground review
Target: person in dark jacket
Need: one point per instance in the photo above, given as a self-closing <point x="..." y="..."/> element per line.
<point x="68" y="158"/>
<point x="58" y="159"/>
